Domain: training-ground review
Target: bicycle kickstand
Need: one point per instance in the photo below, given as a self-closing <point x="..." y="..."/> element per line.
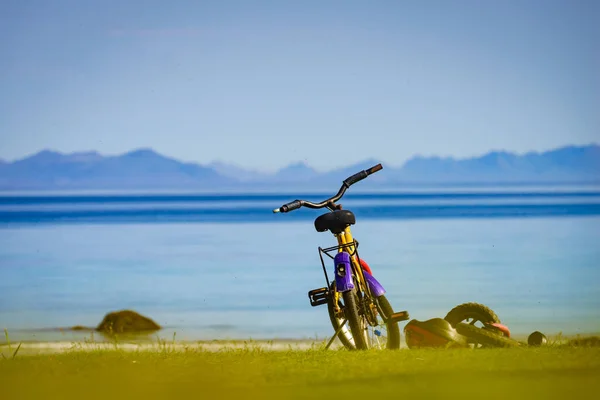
<point x="337" y="332"/>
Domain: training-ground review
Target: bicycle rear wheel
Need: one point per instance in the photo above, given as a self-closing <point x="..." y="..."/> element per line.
<point x="392" y="341"/>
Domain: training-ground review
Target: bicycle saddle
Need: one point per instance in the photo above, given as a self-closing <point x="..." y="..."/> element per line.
<point x="335" y="221"/>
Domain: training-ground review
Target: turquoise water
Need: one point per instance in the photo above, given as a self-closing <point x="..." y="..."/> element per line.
<point x="237" y="277"/>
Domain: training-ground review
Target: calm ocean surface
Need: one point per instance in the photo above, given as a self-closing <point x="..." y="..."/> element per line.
<point x="224" y="266"/>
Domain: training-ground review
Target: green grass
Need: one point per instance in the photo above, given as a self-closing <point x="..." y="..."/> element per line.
<point x="528" y="373"/>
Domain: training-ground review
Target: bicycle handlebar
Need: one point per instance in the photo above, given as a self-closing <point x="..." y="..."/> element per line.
<point x="359" y="176"/>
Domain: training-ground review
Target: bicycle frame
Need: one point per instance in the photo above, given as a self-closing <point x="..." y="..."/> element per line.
<point x="344" y="281"/>
<point x="346" y="244"/>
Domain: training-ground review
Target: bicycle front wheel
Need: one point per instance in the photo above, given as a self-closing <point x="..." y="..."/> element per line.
<point x="385" y="334"/>
<point x="358" y="324"/>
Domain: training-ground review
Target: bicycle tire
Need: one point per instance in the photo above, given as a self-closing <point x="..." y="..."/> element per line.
<point x="484" y="337"/>
<point x="335" y="323"/>
<point x="393" y="330"/>
<point x="385" y="309"/>
<point x="355" y="320"/>
<point x="476" y="311"/>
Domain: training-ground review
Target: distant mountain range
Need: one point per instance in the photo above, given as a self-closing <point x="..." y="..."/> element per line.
<point x="145" y="169"/>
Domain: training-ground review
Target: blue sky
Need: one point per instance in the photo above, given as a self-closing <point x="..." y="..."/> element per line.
<point x="262" y="84"/>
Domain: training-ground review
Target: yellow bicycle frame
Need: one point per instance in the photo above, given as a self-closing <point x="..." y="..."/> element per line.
<point x="345" y="238"/>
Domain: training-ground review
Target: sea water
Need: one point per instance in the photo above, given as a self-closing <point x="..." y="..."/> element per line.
<point x="226" y="267"/>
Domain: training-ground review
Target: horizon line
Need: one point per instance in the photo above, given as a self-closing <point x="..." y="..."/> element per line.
<point x="296" y="162"/>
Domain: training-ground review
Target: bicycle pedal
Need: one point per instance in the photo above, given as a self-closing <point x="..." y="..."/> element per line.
<point x="318" y="297"/>
<point x="399" y="316"/>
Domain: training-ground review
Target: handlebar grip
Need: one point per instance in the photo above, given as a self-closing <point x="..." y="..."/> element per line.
<point x="291" y="206"/>
<point x="355" y="178"/>
<point x="362" y="175"/>
<point x="374" y="169"/>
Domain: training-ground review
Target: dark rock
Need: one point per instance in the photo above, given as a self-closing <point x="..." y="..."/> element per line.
<point x="81" y="328"/>
<point x="126" y="321"/>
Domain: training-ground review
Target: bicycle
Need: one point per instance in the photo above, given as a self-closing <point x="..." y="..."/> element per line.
<point x="354" y="297"/>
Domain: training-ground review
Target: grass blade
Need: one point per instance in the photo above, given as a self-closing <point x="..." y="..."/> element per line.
<point x="17" y="350"/>
<point x="7" y="340"/>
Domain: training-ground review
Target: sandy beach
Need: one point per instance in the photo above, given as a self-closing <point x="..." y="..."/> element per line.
<point x="162" y="345"/>
<point x="53" y="347"/>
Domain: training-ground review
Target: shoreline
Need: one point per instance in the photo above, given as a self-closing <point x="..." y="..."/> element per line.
<point x="64" y="346"/>
<point x="41" y="347"/>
